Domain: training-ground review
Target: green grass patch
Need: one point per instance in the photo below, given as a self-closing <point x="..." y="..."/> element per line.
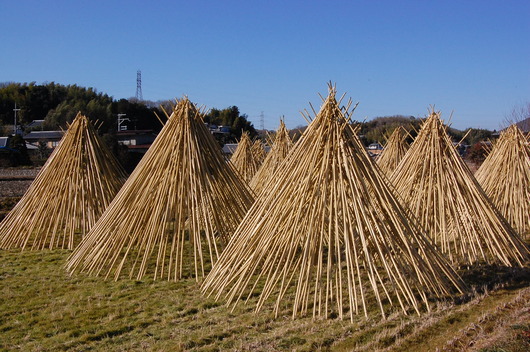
<point x="45" y="309"/>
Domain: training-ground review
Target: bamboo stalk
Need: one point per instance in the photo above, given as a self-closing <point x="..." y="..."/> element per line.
<point x="328" y="229"/>
<point x="395" y="148"/>
<point x="246" y="158"/>
<point x="77" y="183"/>
<point x="279" y="150"/>
<point x="182" y="192"/>
<point x="440" y="190"/>
<point x="505" y="177"/>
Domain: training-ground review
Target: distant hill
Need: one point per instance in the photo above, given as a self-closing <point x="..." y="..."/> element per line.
<point x="524" y="125"/>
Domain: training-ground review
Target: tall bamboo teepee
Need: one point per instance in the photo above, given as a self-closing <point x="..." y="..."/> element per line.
<point x="244" y="158"/>
<point x="279" y="150"/>
<point x="181" y="192"/>
<point x="68" y="195"/>
<point x="440" y="190"/>
<point x="395" y="149"/>
<point x="329" y="231"/>
<point x="505" y="177"/>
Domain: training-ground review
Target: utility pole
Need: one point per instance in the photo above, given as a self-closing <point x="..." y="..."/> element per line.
<point x="15" y="126"/>
<point x="139" y="96"/>
<point x="262" y="121"/>
<point x="120" y="120"/>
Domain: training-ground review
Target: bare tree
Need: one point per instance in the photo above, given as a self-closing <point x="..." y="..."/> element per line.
<point x="519" y="115"/>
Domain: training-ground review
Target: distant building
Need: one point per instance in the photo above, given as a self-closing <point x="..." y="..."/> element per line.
<point x="214" y="129"/>
<point x="35" y="125"/>
<point x="375" y="146"/>
<point x="51" y="138"/>
<point x="4" y="142"/>
<point x="137" y="141"/>
<point x="374" y="150"/>
<point x="229" y="148"/>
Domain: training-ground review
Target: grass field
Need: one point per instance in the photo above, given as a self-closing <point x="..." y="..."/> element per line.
<point x="42" y="308"/>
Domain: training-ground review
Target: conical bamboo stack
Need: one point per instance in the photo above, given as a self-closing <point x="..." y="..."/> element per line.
<point x="330" y="226"/>
<point x="69" y="194"/>
<point x="440" y="190"/>
<point x="279" y="150"/>
<point x="395" y="149"/>
<point x="505" y="177"/>
<point x="258" y="149"/>
<point x="182" y="191"/>
<point x="244" y="159"/>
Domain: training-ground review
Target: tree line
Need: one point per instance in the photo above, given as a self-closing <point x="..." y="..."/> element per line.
<point x="58" y="105"/>
<point x="379" y="129"/>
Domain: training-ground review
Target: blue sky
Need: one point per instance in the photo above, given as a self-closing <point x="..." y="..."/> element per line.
<point x="469" y="58"/>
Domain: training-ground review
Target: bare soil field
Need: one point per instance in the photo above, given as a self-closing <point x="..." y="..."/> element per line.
<point x="15" y="181"/>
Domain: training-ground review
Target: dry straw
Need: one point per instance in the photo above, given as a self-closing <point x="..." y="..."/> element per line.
<point x="244" y="158"/>
<point x="69" y="194"/>
<point x="505" y="177"/>
<point x="279" y="150"/>
<point x="329" y="234"/>
<point x="395" y="149"/>
<point x="440" y="190"/>
<point x="181" y="192"/>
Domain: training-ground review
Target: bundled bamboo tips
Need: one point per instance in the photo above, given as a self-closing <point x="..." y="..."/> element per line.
<point x="505" y="177"/>
<point x="182" y="192"/>
<point x="439" y="188"/>
<point x="330" y="232"/>
<point x="69" y="194"/>
<point x="395" y="149"/>
<point x="246" y="158"/>
<point x="279" y="150"/>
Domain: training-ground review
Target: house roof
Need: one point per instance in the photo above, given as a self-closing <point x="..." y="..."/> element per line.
<point x="36" y="135"/>
<point x="3" y="142"/>
<point x="35" y="123"/>
<point x="133" y="132"/>
<point x="139" y="146"/>
<point x="229" y="148"/>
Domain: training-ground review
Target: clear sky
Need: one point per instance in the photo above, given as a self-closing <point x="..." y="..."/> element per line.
<point x="470" y="58"/>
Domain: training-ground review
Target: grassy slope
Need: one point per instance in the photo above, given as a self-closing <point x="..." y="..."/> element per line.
<point x="44" y="309"/>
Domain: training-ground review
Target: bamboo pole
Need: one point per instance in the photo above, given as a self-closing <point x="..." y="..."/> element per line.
<point x="181" y="198"/>
<point x="329" y="230"/>
<point x="395" y="148"/>
<point x="505" y="177"/>
<point x="77" y="183"/>
<point x="245" y="158"/>
<point x="440" y="190"/>
<point x="279" y="150"/>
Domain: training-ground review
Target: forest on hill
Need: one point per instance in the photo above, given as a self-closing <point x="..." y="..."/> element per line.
<point x="58" y="104"/>
<point x="379" y="129"/>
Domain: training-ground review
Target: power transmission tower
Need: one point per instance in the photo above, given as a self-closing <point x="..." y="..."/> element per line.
<point x="139" y="85"/>
<point x="262" y="121"/>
